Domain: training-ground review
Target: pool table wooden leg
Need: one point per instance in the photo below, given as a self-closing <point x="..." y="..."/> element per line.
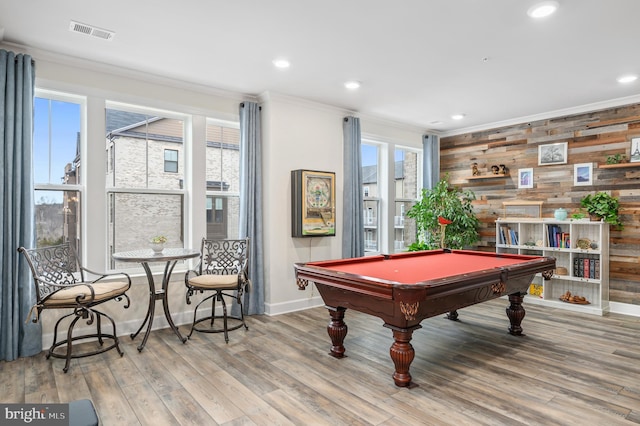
<point x="337" y="330"/>
<point x="402" y="354"/>
<point x="516" y="313"/>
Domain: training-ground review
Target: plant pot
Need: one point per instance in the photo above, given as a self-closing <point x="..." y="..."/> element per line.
<point x="157" y="247"/>
<point x="595" y="218"/>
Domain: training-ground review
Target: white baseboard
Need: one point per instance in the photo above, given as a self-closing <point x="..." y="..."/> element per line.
<point x="293" y="305"/>
<point x="624" y="308"/>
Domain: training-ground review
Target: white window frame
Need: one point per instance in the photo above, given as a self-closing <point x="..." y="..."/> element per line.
<point x="386" y="188"/>
<point x="80" y="186"/>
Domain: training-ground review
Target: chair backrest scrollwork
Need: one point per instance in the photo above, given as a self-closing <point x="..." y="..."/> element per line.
<point x="54" y="264"/>
<point x="224" y="257"/>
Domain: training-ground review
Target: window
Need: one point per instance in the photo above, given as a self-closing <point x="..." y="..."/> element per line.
<point x="390" y="189"/>
<point x="370" y="173"/>
<point x="223" y="179"/>
<point x="57" y="148"/>
<point x="406" y="192"/>
<point x="171" y="161"/>
<point x="144" y="201"/>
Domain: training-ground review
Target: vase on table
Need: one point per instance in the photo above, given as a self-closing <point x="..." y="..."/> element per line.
<point x="157" y="247"/>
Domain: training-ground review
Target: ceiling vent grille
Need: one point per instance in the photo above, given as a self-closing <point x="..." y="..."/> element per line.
<point x="89" y="30"/>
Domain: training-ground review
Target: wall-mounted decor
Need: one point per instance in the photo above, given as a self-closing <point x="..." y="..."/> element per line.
<point x="554" y="153"/>
<point x="635" y="150"/>
<point x="583" y="174"/>
<point x="525" y="178"/>
<point x="313" y="203"/>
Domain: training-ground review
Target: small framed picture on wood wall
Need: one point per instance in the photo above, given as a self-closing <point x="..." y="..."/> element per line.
<point x="525" y="178"/>
<point x="635" y="150"/>
<point x="553" y="153"/>
<point x="583" y="174"/>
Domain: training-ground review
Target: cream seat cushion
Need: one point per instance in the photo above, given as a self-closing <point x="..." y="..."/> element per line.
<point x="103" y="291"/>
<point x="213" y="281"/>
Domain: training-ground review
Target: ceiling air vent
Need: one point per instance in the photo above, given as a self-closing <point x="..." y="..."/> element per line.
<point x="89" y="30"/>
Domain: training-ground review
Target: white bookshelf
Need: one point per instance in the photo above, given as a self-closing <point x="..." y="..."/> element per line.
<point x="533" y="237"/>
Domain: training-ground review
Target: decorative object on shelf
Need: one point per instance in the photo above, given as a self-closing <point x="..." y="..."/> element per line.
<point x="474" y="170"/>
<point x="525" y="178"/>
<point x="570" y="298"/>
<point x="617" y="158"/>
<point x="579" y="214"/>
<point x="157" y="243"/>
<point x="583" y="243"/>
<point x="554" y="153"/>
<point x="594" y="245"/>
<point x="503" y="169"/>
<point x="495" y="169"/>
<point x="536" y="290"/>
<point x="635" y="150"/>
<point x="448" y="202"/>
<point x="583" y="174"/>
<point x="604" y="206"/>
<point x="313" y="203"/>
<point x="560" y="214"/>
<point x="561" y="270"/>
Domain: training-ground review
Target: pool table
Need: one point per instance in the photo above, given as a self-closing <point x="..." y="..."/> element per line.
<point x="405" y="288"/>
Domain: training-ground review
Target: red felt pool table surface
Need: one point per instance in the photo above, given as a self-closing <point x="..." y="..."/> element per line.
<point x="420" y="267"/>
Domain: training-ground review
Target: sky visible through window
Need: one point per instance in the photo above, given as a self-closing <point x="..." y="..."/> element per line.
<point x="55" y="135"/>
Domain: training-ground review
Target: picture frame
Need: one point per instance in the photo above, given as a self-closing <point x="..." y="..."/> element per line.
<point x="583" y="174"/>
<point x="525" y="178"/>
<point x="313" y="203"/>
<point x="553" y="153"/>
<point x="635" y="150"/>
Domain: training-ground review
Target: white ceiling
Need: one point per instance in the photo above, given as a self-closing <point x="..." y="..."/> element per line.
<point x="419" y="61"/>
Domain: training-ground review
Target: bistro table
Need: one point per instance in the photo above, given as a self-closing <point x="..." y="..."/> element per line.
<point x="144" y="257"/>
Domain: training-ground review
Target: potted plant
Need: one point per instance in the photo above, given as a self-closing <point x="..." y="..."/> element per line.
<point x="616" y="159"/>
<point x="602" y="206"/>
<point x="444" y="204"/>
<point x="157" y="243"/>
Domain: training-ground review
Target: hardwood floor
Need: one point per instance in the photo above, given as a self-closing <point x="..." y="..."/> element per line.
<point x="569" y="369"/>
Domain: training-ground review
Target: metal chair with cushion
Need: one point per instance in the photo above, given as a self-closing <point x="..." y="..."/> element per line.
<point x="223" y="269"/>
<point x="62" y="283"/>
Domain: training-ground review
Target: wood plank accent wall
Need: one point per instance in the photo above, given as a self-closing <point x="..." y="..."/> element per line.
<point x="591" y="138"/>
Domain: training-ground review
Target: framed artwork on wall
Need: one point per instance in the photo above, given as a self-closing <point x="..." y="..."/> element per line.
<point x="583" y="174"/>
<point x="635" y="150"/>
<point x="525" y="178"/>
<point x="553" y="153"/>
<point x="313" y="203"/>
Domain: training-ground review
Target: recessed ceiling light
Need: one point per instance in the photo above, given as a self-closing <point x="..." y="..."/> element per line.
<point x="627" y="78"/>
<point x="352" y="85"/>
<point x="457" y="116"/>
<point x="281" y="63"/>
<point x="542" y="9"/>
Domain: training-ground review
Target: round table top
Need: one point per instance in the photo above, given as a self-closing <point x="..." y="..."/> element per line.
<point x="148" y="255"/>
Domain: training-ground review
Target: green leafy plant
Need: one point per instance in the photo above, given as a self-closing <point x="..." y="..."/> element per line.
<point x="580" y="214"/>
<point x="452" y="204"/>
<point x="603" y="205"/>
<point x="616" y="159"/>
<point x="158" y="239"/>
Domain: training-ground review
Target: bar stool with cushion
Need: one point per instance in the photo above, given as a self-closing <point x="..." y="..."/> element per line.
<point x="62" y="283"/>
<point x="223" y="270"/>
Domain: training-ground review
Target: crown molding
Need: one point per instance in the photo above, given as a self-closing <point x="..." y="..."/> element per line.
<point x="596" y="106"/>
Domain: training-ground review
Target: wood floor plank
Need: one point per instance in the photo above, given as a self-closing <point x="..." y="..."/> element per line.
<point x="568" y="369"/>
